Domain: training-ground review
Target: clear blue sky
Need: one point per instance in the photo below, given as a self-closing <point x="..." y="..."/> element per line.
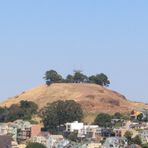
<point x="109" y="36"/>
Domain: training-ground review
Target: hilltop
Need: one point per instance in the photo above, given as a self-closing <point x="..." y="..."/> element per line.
<point x="93" y="98"/>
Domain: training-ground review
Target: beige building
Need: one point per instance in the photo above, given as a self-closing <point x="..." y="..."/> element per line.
<point x="94" y="145"/>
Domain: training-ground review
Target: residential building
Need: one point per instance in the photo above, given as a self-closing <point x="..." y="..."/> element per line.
<point x="39" y="139"/>
<point x="74" y="126"/>
<point x="3" y="129"/>
<point x="54" y="140"/>
<point x="88" y="131"/>
<point x="92" y="145"/>
<point x="35" y="130"/>
<point x="115" y="142"/>
<point x="23" y="135"/>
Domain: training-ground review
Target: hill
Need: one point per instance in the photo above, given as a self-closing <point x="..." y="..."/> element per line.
<point x="93" y="98"/>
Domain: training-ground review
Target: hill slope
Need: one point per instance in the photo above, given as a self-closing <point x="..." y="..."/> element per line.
<point x="93" y="98"/>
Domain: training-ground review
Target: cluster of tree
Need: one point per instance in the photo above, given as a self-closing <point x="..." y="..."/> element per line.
<point x="136" y="140"/>
<point x="105" y="120"/>
<point x="52" y="76"/>
<point x="145" y="145"/>
<point x="60" y="112"/>
<point x="24" y="110"/>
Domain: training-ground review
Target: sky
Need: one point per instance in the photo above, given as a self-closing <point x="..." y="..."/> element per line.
<point x="108" y="36"/>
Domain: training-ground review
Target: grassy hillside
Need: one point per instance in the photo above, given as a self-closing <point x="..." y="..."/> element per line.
<point x="93" y="98"/>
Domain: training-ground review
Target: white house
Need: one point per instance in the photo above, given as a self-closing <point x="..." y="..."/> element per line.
<point x="82" y="129"/>
<point x="74" y="126"/>
<point x="3" y="129"/>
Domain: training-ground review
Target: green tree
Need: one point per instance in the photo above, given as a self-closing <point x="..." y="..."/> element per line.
<point x="145" y="145"/>
<point x="52" y="76"/>
<point x="100" y="79"/>
<point x="4" y="114"/>
<point x="25" y="110"/>
<point x="35" y="145"/>
<point x="29" y="106"/>
<point x="69" y="79"/>
<point x="103" y="120"/>
<point x="117" y="115"/>
<point x="15" y="112"/>
<point x="60" y="112"/>
<point x="128" y="135"/>
<point x="79" y="77"/>
<point x="92" y="79"/>
<point x="137" y="140"/>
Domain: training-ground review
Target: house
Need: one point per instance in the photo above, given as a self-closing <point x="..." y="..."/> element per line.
<point x="120" y="132"/>
<point x="3" y="129"/>
<point x="62" y="144"/>
<point x="50" y="141"/>
<point x="20" y="124"/>
<point x="92" y="145"/>
<point x="8" y="129"/>
<point x="84" y="131"/>
<point x="107" y="133"/>
<point x="54" y="140"/>
<point x="39" y="139"/>
<point x="92" y="131"/>
<point x="35" y="130"/>
<point x="23" y="130"/>
<point x="12" y="130"/>
<point x="74" y="126"/>
<point x="115" y="142"/>
<point x="14" y="144"/>
<point x="23" y="135"/>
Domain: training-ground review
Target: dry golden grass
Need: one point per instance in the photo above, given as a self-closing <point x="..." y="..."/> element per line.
<point x="93" y="98"/>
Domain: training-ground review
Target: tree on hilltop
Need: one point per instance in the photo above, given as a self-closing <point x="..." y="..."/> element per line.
<point x="52" y="76"/>
<point x="69" y="79"/>
<point x="79" y="77"/>
<point x="100" y="79"/>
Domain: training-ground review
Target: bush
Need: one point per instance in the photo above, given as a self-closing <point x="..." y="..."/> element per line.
<point x="137" y="140"/>
<point x="145" y="145"/>
<point x="35" y="145"/>
<point x="128" y="135"/>
<point x="103" y="120"/>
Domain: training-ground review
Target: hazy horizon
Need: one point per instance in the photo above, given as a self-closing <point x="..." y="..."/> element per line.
<point x="93" y="36"/>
